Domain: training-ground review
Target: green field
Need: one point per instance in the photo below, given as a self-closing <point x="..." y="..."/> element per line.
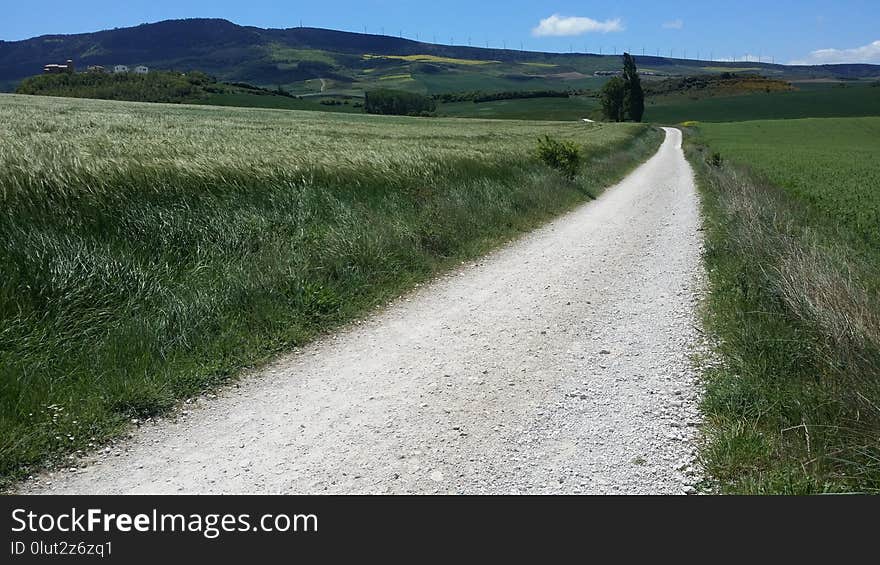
<point x="793" y="248"/>
<point x="829" y="163"/>
<point x="820" y="100"/>
<point x="561" y="109"/>
<point x="150" y="251"/>
<point x="809" y="100"/>
<point x="244" y="100"/>
<point x="472" y="79"/>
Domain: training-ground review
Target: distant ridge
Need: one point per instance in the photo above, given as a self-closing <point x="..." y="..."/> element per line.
<point x="269" y="56"/>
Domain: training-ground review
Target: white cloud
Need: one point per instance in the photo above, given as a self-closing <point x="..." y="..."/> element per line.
<point x="866" y="54"/>
<point x="674" y="24"/>
<point x="557" y="25"/>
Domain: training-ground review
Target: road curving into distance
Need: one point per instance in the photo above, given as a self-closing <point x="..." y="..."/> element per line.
<point x="558" y="364"/>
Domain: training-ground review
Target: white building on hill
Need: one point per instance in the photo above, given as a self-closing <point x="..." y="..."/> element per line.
<point x="120" y="69"/>
<point x="141" y="70"/>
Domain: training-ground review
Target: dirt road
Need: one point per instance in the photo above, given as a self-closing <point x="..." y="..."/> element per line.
<point x="558" y="364"/>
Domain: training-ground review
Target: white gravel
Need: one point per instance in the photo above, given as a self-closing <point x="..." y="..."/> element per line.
<point x="559" y="364"/>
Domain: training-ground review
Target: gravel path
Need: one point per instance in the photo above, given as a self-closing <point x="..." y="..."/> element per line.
<point x="559" y="364"/>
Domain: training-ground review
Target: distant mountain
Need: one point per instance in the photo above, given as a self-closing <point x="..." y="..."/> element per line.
<point x="315" y="61"/>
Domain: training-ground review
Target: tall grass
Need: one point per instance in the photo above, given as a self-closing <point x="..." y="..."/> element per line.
<point x="151" y="251"/>
<point x="794" y="406"/>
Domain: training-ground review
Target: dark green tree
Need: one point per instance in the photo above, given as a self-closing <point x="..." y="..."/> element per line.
<point x="612" y="98"/>
<point x="634" y="98"/>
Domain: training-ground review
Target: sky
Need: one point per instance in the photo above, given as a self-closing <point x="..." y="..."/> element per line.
<point x="781" y="31"/>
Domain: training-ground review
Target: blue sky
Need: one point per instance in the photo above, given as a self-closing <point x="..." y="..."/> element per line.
<point x="809" y="31"/>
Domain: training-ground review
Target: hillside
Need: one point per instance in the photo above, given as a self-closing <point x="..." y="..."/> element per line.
<point x="728" y="83"/>
<point x="315" y="61"/>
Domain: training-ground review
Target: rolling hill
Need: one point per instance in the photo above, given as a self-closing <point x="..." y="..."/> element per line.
<point x="310" y="61"/>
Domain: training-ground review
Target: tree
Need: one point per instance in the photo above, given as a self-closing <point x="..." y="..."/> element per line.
<point x="612" y="97"/>
<point x="634" y="99"/>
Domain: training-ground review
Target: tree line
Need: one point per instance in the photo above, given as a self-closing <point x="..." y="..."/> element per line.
<point x="398" y="103"/>
<point x="157" y="86"/>
<point x="482" y="96"/>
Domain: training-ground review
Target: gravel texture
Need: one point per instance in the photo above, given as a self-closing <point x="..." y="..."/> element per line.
<point x="558" y="364"/>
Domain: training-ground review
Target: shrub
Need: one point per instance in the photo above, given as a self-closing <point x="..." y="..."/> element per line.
<point x="715" y="159"/>
<point x="564" y="156"/>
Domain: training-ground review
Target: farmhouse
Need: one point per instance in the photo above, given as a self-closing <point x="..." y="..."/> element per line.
<point x="141" y="70"/>
<point x="120" y="69"/>
<point x="57" y="69"/>
<point x="96" y="69"/>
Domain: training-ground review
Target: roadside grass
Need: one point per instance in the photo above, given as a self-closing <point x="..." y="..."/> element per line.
<point x="792" y="256"/>
<point x="152" y="251"/>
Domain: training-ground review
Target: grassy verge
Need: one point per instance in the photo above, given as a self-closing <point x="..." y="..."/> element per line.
<point x="151" y="251"/>
<point x="794" y="406"/>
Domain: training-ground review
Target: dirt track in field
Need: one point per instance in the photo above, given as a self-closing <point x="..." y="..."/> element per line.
<point x="558" y="364"/>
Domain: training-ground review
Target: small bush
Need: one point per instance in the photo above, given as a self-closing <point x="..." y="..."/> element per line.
<point x="715" y="160"/>
<point x="564" y="156"/>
